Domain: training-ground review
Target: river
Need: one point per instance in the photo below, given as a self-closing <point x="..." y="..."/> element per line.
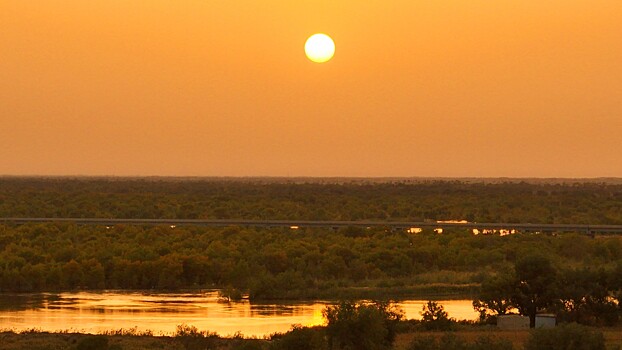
<point x="162" y="312"/>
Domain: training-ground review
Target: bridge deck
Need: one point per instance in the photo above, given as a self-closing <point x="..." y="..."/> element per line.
<point x="329" y="224"/>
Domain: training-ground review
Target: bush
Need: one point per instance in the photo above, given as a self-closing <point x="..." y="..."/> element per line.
<point x="248" y="344"/>
<point x="450" y="341"/>
<point x="566" y="337"/>
<point x="230" y="294"/>
<point x="434" y="317"/>
<point x="93" y="343"/>
<point x="488" y="343"/>
<point x="300" y="338"/>
<point x="424" y="343"/>
<point x="358" y="326"/>
<point x="191" y="338"/>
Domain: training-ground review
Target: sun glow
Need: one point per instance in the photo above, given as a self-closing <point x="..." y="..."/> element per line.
<point x="320" y="48"/>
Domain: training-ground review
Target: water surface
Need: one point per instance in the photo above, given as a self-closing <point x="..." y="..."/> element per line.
<point x="161" y="313"/>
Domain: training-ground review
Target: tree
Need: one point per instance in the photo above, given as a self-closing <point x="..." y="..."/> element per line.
<point x="531" y="287"/>
<point x="434" y="317"/>
<point x="495" y="295"/>
<point x="71" y="274"/>
<point x="359" y="326"/>
<point x="535" y="285"/>
<point x="585" y="295"/>
<point x="94" y="275"/>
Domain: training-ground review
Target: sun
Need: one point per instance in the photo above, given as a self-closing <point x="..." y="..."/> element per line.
<point x="320" y="48"/>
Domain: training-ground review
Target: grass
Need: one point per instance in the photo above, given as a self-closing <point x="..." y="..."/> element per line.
<point x="62" y="341"/>
<point x="613" y="336"/>
<point x="132" y="340"/>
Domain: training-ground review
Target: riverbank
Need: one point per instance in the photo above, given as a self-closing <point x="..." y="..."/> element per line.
<point x="518" y="338"/>
<point x="383" y="290"/>
<point x="387" y="290"/>
<point x="60" y="341"/>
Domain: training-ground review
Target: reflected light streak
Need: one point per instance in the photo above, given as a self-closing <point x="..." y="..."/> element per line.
<point x="161" y="313"/>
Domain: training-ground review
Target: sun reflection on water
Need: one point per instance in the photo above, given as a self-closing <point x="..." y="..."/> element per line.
<point x="161" y="313"/>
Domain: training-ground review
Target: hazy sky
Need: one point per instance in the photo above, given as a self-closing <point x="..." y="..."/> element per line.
<point x="220" y="87"/>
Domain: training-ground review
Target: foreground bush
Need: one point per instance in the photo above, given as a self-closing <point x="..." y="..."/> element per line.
<point x="434" y="317"/>
<point x="451" y="342"/>
<point x="193" y="339"/>
<point x="360" y="326"/>
<point x="566" y="337"/>
<point x="93" y="343"/>
<point x="300" y="338"/>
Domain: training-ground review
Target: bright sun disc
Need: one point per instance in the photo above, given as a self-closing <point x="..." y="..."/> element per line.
<point x="320" y="48"/>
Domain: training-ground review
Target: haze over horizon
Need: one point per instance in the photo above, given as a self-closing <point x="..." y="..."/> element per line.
<point x="446" y="88"/>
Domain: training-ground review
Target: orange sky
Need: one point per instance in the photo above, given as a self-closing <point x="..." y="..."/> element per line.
<point x="218" y="87"/>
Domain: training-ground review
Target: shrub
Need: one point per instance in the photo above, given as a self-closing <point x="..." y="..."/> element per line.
<point x="566" y="337"/>
<point x="488" y="343"/>
<point x="248" y="344"/>
<point x="184" y="330"/>
<point x="93" y="343"/>
<point x="450" y="341"/>
<point x="423" y="343"/>
<point x="434" y="317"/>
<point x="300" y="338"/>
<point x="230" y="294"/>
<point x="191" y="338"/>
<point x="359" y="326"/>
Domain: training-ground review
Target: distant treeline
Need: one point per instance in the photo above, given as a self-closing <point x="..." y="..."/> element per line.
<point x="274" y="263"/>
<point x="520" y="202"/>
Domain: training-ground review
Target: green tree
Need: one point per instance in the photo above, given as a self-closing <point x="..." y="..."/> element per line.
<point x="359" y="326"/>
<point x="94" y="274"/>
<point x="72" y="274"/>
<point x="434" y="317"/>
<point x="536" y="285"/>
<point x="495" y="295"/>
<point x="585" y="295"/>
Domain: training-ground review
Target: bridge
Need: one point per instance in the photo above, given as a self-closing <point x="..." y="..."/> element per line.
<point x="394" y="225"/>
